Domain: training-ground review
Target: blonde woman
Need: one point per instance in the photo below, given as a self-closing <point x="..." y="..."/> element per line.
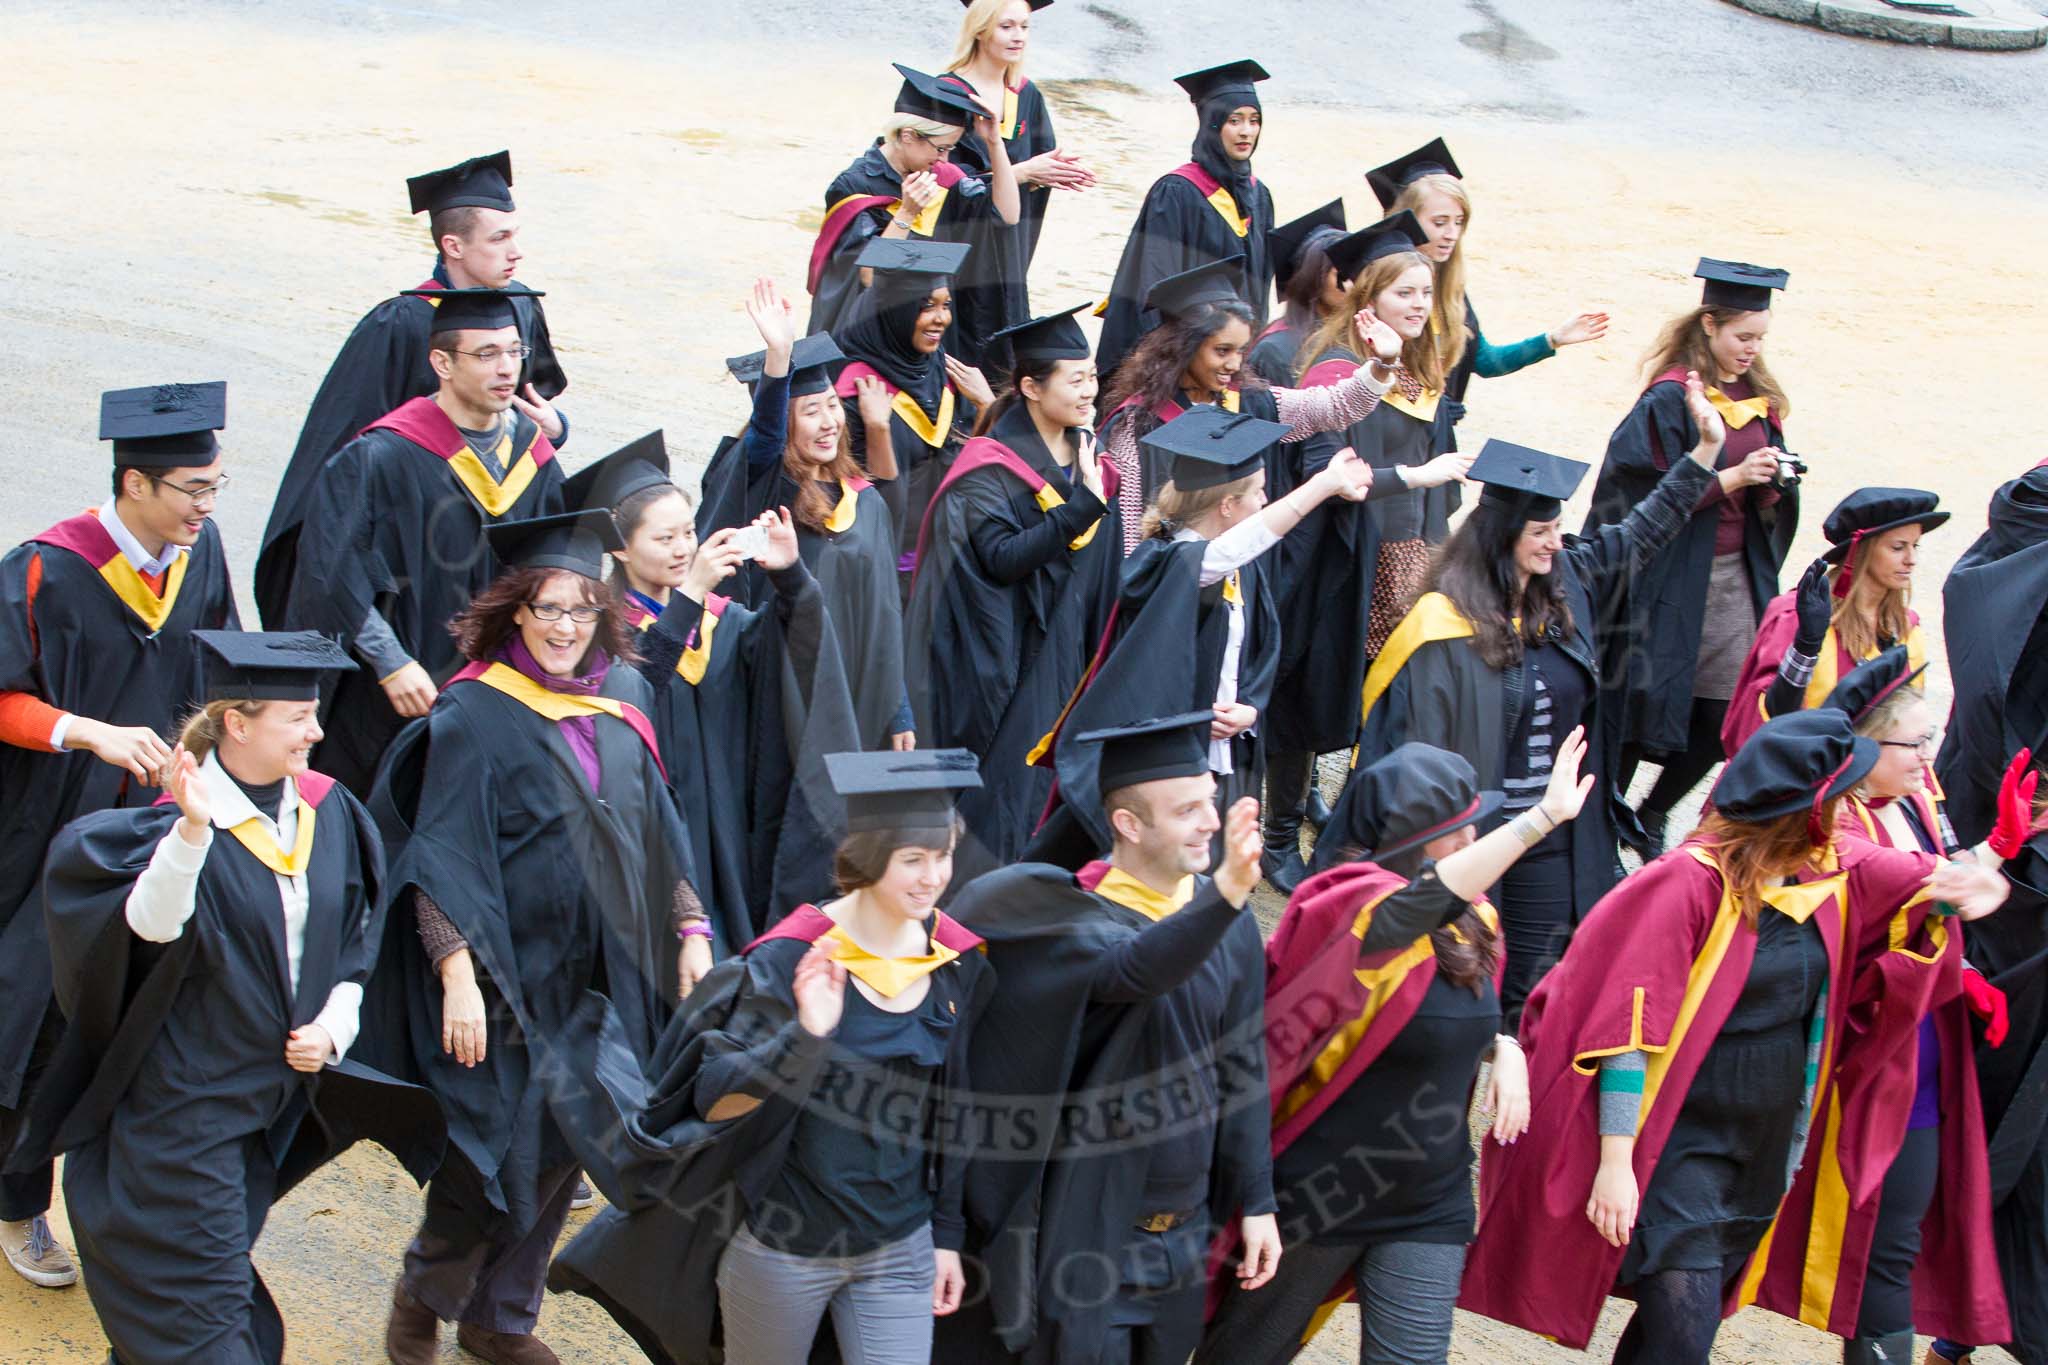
<point x="905" y="186"/>
<point x="988" y="63"/>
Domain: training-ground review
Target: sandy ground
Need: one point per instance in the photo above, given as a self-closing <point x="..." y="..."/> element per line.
<point x="202" y="193"/>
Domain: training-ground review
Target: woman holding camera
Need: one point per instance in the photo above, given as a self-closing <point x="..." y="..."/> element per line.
<point x="1693" y="611"/>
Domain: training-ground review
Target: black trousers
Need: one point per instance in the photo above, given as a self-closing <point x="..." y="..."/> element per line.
<point x="1895" y="1245"/>
<point x="1535" y="919"/>
<point x="1681" y="771"/>
<point x="26" y="1194"/>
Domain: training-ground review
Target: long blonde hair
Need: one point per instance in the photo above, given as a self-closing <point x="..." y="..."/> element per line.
<point x="1174" y="507"/>
<point x="1857" y="631"/>
<point x="1420" y="356"/>
<point x="975" y="25"/>
<point x="1448" y="308"/>
<point x="1683" y="345"/>
<point x="205" y="728"/>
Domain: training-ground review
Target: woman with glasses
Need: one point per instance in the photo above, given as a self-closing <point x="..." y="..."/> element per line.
<point x="905" y="188"/>
<point x="540" y="868"/>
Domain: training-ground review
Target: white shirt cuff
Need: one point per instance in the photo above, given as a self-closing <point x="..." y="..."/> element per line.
<point x="59" y="730"/>
<point x="341" y="1016"/>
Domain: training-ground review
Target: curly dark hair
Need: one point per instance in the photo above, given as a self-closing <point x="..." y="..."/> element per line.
<point x="1475" y="568"/>
<point x="1153" y="370"/>
<point x="488" y="621"/>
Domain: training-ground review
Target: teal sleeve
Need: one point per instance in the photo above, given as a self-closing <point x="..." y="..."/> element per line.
<point x="1491" y="362"/>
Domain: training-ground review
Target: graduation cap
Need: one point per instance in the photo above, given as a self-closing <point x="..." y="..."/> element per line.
<point x="1793" y="762"/>
<point x="470" y="310"/>
<point x="928" y="97"/>
<point x="483" y="182"/>
<point x="913" y="257"/>
<point x="576" y="541"/>
<point x="810" y="365"/>
<point x="1056" y="336"/>
<point x="1432" y="158"/>
<point x="1152" y="750"/>
<point x="606" y="483"/>
<point x="1527" y="482"/>
<point x="1738" y="284"/>
<point x="1411" y="795"/>
<point x="1178" y="296"/>
<point x="1210" y="446"/>
<point x="164" y="426"/>
<point x="1232" y="78"/>
<point x="913" y="790"/>
<point x="249" y="665"/>
<point x="1871" y="511"/>
<point x="1870" y="682"/>
<point x="1289" y="240"/>
<point x="1353" y="253"/>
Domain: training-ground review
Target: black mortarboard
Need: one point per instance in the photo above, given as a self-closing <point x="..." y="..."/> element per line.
<point x="606" y="483"/>
<point x="576" y="541"/>
<point x="1231" y="78"/>
<point x="483" y="182"/>
<point x="470" y="310"/>
<point x="1413" y="794"/>
<point x="1351" y="254"/>
<point x="1056" y="336"/>
<point x="884" y="789"/>
<point x="1792" y="763"/>
<point x="1287" y="241"/>
<point x="928" y="97"/>
<point x="810" y="365"/>
<point x="914" y="257"/>
<point x="1152" y="750"/>
<point x="1738" y="284"/>
<point x="249" y="665"/>
<point x="1218" y="282"/>
<point x="164" y="426"/>
<point x="1209" y="446"/>
<point x="1871" y="681"/>
<point x="1868" y="511"/>
<point x="1528" y="482"/>
<point x="1432" y="158"/>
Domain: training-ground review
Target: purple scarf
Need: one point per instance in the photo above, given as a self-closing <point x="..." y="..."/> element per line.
<point x="579" y="731"/>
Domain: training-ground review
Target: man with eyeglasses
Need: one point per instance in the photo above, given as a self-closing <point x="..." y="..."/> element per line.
<point x="97" y="665"/>
<point x="392" y="545"/>
<point x="384" y="362"/>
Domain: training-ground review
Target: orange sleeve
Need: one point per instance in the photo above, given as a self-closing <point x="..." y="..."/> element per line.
<point x="26" y="720"/>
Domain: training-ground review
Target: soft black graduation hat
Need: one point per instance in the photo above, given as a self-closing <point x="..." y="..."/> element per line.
<point x="1738" y="284"/>
<point x="1411" y="795"/>
<point x="469" y="310"/>
<point x="912" y="790"/>
<point x="249" y="665"/>
<point x="913" y="257"/>
<point x="1176" y="296"/>
<point x="605" y="483"/>
<point x="1352" y="253"/>
<point x="928" y="97"/>
<point x="1871" y="681"/>
<point x="483" y="182"/>
<point x="1432" y="158"/>
<point x="1152" y="750"/>
<point x="1525" y="482"/>
<point x="810" y="365"/>
<point x="1209" y="446"/>
<point x="576" y="541"/>
<point x="1231" y="78"/>
<point x="1289" y="239"/>
<point x="1793" y="762"/>
<point x="1868" y="511"/>
<point x="164" y="426"/>
<point x="1056" y="336"/>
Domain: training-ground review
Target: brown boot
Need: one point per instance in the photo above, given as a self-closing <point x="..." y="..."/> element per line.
<point x="409" y="1335"/>
<point x="504" y="1348"/>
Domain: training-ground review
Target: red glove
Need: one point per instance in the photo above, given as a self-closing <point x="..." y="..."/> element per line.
<point x="2015" y="806"/>
<point x="1987" y="1002"/>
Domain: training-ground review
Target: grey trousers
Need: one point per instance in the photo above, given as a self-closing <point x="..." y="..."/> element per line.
<point x="880" y="1301"/>
<point x="1406" y="1294"/>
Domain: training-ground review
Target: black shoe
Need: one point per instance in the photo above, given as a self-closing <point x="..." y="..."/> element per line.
<point x="1317" y="810"/>
<point x="1291" y="872"/>
<point x="1283" y="841"/>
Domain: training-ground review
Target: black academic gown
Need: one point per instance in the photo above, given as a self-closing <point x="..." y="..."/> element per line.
<point x="746" y="704"/>
<point x="990" y="292"/>
<point x="680" y="1184"/>
<point x="1177" y="230"/>
<point x="1272" y="355"/>
<point x="1650" y="652"/>
<point x="392" y="523"/>
<point x="1089" y="1066"/>
<point x="170" y="1096"/>
<point x="558" y="890"/>
<point x="1442" y="693"/>
<point x="1005" y="614"/>
<point x="1164" y="658"/>
<point x="83" y="647"/>
<point x="382" y="364"/>
<point x="1993" y="606"/>
<point x="858" y="204"/>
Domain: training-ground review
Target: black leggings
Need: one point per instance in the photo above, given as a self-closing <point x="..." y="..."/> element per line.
<point x="1895" y="1245"/>
<point x="1677" y="1314"/>
<point x="1681" y="772"/>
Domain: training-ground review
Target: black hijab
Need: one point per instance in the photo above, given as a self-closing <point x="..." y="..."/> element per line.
<point x="1209" y="153"/>
<point x="879" y="331"/>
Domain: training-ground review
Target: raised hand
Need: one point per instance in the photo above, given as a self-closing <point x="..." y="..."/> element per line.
<point x="1815" y="602"/>
<point x="540" y="411"/>
<point x="1713" y="431"/>
<point x="919" y="190"/>
<point x="1088" y="461"/>
<point x="717" y="559"/>
<point x="820" y="990"/>
<point x="1566" y="795"/>
<point x="873" y="398"/>
<point x="781" y="533"/>
<point x="2015" y="806"/>
<point x="1238" y="872"/>
<point x="1450" y="467"/>
<point x="773" y="317"/>
<point x="1380" y="341"/>
<point x="971" y="383"/>
<point x="1579" y="328"/>
<point x="188" y="789"/>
